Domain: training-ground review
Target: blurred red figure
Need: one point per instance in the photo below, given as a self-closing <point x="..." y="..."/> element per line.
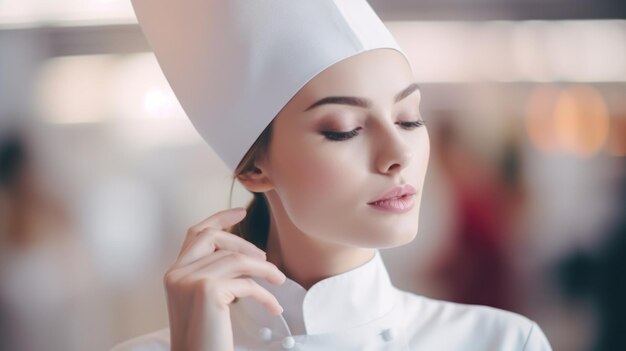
<point x="475" y="267"/>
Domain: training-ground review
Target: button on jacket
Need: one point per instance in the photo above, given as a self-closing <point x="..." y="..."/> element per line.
<point x="362" y="310"/>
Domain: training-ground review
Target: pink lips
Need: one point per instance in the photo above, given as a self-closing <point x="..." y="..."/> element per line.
<point x="398" y="199"/>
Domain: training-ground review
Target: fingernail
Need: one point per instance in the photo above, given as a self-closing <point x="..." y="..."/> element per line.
<point x="283" y="276"/>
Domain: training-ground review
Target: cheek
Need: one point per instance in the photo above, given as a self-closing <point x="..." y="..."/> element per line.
<point x="313" y="175"/>
<point x="324" y="188"/>
<point x="423" y="156"/>
<point x="314" y="181"/>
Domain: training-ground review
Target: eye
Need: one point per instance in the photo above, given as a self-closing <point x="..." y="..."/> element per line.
<point x="412" y="124"/>
<point x="339" y="136"/>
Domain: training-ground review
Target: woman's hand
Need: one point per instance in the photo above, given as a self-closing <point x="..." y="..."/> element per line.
<point x="207" y="276"/>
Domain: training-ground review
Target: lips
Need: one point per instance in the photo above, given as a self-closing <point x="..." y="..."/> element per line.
<point x="396" y="193"/>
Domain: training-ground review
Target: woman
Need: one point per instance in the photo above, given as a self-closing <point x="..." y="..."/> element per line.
<point x="337" y="173"/>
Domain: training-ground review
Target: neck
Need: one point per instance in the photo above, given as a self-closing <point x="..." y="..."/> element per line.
<point x="305" y="259"/>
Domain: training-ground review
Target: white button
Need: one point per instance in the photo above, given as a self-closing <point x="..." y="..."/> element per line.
<point x="387" y="334"/>
<point x="265" y="334"/>
<point x="288" y="342"/>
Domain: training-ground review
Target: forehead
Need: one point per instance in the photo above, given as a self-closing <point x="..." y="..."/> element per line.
<point x="376" y="74"/>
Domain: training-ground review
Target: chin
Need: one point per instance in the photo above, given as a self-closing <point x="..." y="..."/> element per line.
<point x="390" y="240"/>
<point x="403" y="239"/>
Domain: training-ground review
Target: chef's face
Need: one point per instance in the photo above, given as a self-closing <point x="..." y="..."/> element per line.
<point x="323" y="185"/>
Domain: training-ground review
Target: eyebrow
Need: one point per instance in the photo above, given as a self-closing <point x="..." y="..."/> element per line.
<point x="362" y="102"/>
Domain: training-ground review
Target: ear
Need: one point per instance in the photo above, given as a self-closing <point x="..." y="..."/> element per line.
<point x="257" y="180"/>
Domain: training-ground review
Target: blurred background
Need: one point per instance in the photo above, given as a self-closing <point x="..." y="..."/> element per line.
<point x="524" y="206"/>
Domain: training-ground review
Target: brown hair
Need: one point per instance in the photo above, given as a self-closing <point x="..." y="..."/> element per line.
<point x="255" y="226"/>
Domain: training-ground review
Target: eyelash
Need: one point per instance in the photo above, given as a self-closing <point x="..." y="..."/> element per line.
<point x="340" y="136"/>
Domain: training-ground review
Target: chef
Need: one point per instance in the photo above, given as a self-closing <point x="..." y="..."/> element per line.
<point x="243" y="70"/>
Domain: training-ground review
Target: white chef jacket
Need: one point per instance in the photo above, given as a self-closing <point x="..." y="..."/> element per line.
<point x="361" y="310"/>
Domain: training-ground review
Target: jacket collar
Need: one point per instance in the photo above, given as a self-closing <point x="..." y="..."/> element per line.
<point x="334" y="304"/>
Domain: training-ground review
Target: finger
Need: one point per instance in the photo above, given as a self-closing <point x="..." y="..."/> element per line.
<point x="210" y="240"/>
<point x="245" y="287"/>
<point x="219" y="220"/>
<point x="237" y="265"/>
<point x="200" y="263"/>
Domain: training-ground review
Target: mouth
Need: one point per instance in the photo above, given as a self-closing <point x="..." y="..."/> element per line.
<point x="397" y="193"/>
<point x="396" y="204"/>
<point x="391" y="198"/>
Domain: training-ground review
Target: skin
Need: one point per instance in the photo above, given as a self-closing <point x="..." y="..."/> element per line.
<point x="318" y="190"/>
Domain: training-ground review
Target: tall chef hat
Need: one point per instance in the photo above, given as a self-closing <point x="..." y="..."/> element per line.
<point x="234" y="64"/>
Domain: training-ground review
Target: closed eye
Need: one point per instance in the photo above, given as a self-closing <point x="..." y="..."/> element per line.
<point x="340" y="136"/>
<point x="413" y="124"/>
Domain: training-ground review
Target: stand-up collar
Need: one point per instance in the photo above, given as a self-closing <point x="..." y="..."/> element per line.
<point x="334" y="304"/>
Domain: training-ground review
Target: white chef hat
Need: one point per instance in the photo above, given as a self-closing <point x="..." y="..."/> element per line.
<point x="234" y="64"/>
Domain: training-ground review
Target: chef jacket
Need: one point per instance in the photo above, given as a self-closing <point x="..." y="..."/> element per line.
<point x="361" y="310"/>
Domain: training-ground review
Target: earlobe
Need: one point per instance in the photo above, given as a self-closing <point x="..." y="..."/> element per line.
<point x="256" y="181"/>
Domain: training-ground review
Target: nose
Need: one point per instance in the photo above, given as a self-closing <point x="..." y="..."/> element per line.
<point x="394" y="153"/>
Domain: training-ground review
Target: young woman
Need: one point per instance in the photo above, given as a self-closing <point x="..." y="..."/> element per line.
<point x="336" y="175"/>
